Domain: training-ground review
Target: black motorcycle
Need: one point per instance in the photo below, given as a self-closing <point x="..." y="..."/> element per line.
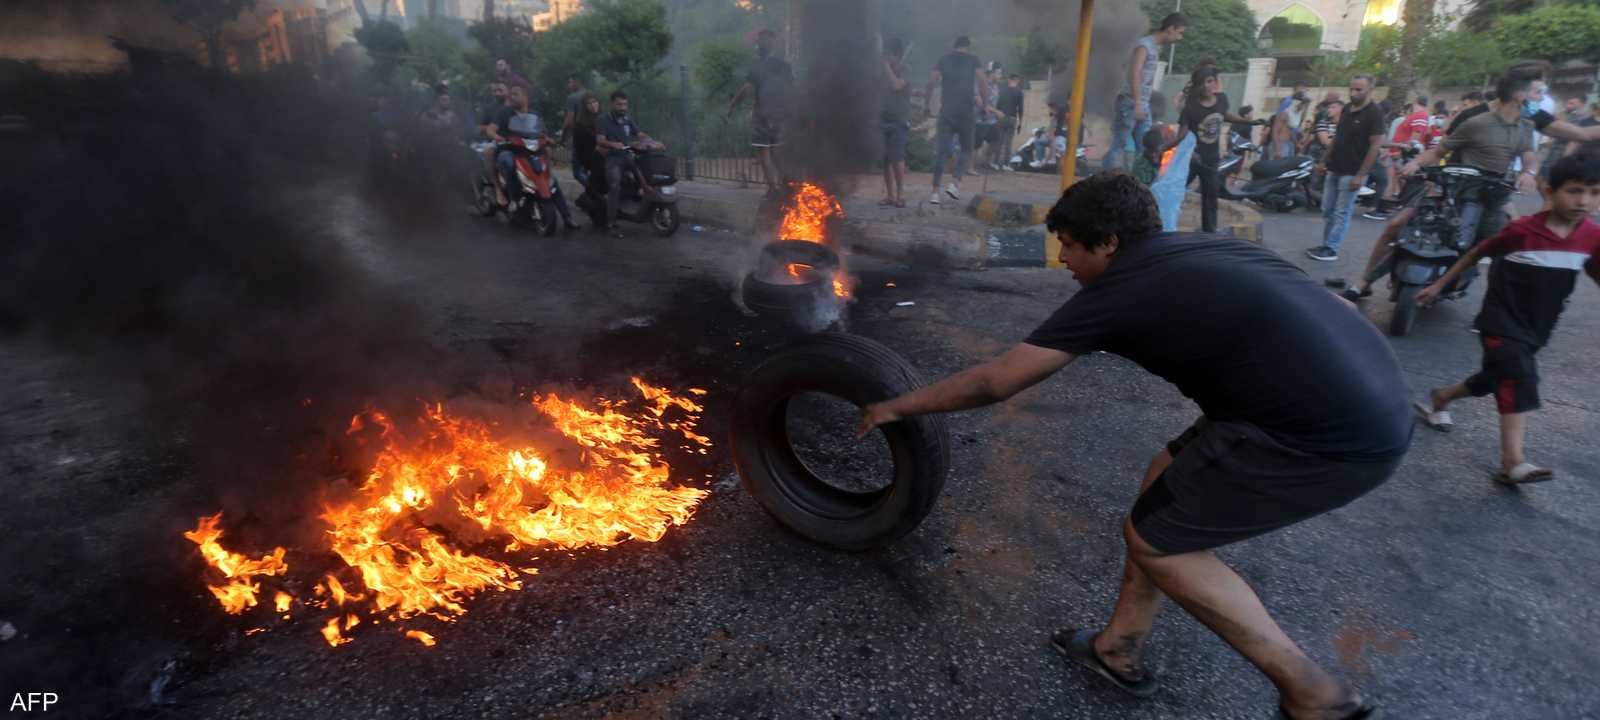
<point x="649" y="192"/>
<point x="1280" y="185"/>
<point x="1430" y="242"/>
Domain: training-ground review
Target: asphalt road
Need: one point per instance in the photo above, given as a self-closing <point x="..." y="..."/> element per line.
<point x="1440" y="595"/>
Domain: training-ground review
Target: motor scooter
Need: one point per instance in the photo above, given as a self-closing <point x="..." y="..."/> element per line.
<point x="1431" y="242"/>
<point x="532" y="200"/>
<point x="649" y="191"/>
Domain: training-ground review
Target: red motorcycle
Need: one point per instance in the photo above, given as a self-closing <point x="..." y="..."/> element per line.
<point x="532" y="199"/>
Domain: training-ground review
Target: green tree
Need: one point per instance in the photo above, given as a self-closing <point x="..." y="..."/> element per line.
<point x="718" y="66"/>
<point x="434" y="52"/>
<point x="207" y="18"/>
<point x="495" y="38"/>
<point x="1454" y="58"/>
<point x="1377" y="51"/>
<point x="1551" y="32"/>
<point x="1223" y="30"/>
<point x="1416" y="17"/>
<point x="386" y="44"/>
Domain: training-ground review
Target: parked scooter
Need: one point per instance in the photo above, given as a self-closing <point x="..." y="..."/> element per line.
<point x="649" y="191"/>
<point x="1280" y="184"/>
<point x="532" y="199"/>
<point x="1430" y="242"/>
<point x="1241" y="147"/>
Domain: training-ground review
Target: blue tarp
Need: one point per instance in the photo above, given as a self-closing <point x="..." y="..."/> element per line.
<point x="1173" y="183"/>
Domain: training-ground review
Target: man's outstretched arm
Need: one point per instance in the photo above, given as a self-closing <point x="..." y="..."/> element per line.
<point x="1019" y="368"/>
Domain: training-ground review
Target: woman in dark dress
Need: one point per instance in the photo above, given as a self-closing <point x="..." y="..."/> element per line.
<point x="588" y="162"/>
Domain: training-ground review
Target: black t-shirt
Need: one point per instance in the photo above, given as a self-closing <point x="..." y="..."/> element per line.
<point x="771" y="77"/>
<point x="618" y="129"/>
<point x="502" y="120"/>
<point x="1010" y="101"/>
<point x="1206" y="124"/>
<point x="958" y="72"/>
<point x="1249" y="337"/>
<point x="1352" y="138"/>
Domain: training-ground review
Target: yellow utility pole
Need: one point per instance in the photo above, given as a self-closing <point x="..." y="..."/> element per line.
<point x="1080" y="75"/>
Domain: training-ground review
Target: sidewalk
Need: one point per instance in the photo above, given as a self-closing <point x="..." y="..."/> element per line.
<point x="998" y="222"/>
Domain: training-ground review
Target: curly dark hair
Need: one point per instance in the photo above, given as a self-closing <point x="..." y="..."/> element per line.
<point x="1106" y="204"/>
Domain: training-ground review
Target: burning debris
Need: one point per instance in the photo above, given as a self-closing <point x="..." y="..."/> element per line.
<point x="800" y="277"/>
<point x="453" y="483"/>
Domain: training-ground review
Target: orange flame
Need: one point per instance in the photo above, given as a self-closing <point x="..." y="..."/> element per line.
<point x="281" y="601"/>
<point x="1166" y="158"/>
<point x="807" y="217"/>
<point x="239" y="593"/>
<point x="330" y="632"/>
<point x="421" y="637"/>
<point x="454" y="478"/>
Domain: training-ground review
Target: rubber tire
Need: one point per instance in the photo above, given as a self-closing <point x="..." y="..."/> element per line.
<point x="795" y="305"/>
<point x="775" y="255"/>
<point x="863" y="372"/>
<point x="483" y="197"/>
<point x="549" y="221"/>
<point x="670" y="225"/>
<point x="1405" y="311"/>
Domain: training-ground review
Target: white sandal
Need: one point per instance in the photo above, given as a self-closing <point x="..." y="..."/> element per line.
<point x="1437" y="419"/>
<point x="1524" y="473"/>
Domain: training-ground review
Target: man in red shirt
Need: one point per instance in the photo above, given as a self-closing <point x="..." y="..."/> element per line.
<point x="1536" y="264"/>
<point x="1414" y="128"/>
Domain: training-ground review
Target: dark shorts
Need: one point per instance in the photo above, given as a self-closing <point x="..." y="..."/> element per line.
<point x="894" y="140"/>
<point x="1231" y="481"/>
<point x="1510" y="373"/>
<point x="765" y="131"/>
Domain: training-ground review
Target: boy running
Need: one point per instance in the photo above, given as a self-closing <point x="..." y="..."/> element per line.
<point x="1536" y="263"/>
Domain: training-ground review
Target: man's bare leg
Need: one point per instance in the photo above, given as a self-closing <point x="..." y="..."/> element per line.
<point x="900" y="181"/>
<point x="1513" y="429"/>
<point x="1221" y="600"/>
<point x="1380" y="249"/>
<point x="1121" y="644"/>
<point x="769" y="167"/>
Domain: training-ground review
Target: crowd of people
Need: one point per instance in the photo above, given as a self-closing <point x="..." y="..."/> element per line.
<point x="1304" y="407"/>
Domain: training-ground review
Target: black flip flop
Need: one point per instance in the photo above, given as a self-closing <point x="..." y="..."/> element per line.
<point x="1078" y="646"/>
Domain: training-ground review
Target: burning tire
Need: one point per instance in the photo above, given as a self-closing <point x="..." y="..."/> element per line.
<point x="793" y="283"/>
<point x="860" y="371"/>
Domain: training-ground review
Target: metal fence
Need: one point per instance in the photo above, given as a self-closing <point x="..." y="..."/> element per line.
<point x="713" y="147"/>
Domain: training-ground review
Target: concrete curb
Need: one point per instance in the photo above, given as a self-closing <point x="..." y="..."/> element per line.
<point x="1022" y="241"/>
<point x="950" y="246"/>
<point x="1013" y="237"/>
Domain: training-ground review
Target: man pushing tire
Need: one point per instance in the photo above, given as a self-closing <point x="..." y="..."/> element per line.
<point x="1303" y="411"/>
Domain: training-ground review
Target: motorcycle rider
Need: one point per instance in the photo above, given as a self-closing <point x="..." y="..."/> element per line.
<point x="618" y="131"/>
<point x="505" y="160"/>
<point x="1546" y="124"/>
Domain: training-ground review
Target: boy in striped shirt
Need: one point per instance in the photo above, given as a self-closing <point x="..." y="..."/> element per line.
<point x="1536" y="264"/>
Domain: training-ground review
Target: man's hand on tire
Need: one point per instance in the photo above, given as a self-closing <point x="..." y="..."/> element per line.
<point x="873" y="416"/>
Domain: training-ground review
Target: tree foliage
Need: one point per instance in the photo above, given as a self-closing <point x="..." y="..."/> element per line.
<point x="207" y="18"/>
<point x="718" y="66"/>
<point x="509" y="38"/>
<point x="1454" y="58"/>
<point x="386" y="44"/>
<point x="1224" y="30"/>
<point x="435" y="53"/>
<point x="1552" y="32"/>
